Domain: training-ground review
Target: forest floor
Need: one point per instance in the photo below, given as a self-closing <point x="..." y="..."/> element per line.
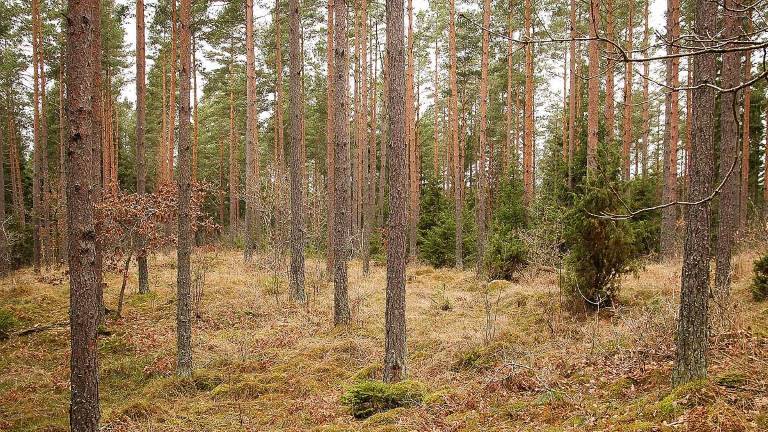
<point x="499" y="357"/>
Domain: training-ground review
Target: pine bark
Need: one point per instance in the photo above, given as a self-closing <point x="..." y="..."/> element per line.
<point x="669" y="194"/>
<point x="728" y="209"/>
<point x="410" y="121"/>
<point x="38" y="146"/>
<point x="296" y="279"/>
<point x="364" y="142"/>
<point x="646" y="100"/>
<point x="574" y="94"/>
<point x="436" y="124"/>
<point x="251" y="151"/>
<point x="141" y="109"/>
<point x="508" y="138"/>
<point x="84" y="270"/>
<point x="4" y="261"/>
<point x="458" y="168"/>
<point x="171" y="144"/>
<point x="342" y="168"/>
<point x="17" y="194"/>
<point x="593" y="102"/>
<point x="628" y="69"/>
<point x="395" y="349"/>
<point x="692" y="326"/>
<point x="233" y="180"/>
<point x="183" y="285"/>
<point x="610" y="69"/>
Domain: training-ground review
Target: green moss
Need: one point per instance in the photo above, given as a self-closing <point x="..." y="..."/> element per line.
<point x="369" y="372"/>
<point x="438" y="397"/>
<point x="368" y="397"/>
<point x="478" y="358"/>
<point x="673" y="404"/>
<point x="638" y="426"/>
<point x="141" y="299"/>
<point x="114" y="344"/>
<point x="7" y="323"/>
<point x="384" y="418"/>
<point x="731" y="379"/>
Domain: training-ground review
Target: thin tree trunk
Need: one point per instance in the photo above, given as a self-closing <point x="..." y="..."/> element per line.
<point x="4" y="258"/>
<point x="610" y="70"/>
<point x="62" y="209"/>
<point x="508" y="139"/>
<point x="329" y="145"/>
<point x="371" y="200"/>
<point x="17" y="194"/>
<point x="745" y="153"/>
<point x="196" y="141"/>
<point x="84" y="269"/>
<point x="298" y="235"/>
<point x="395" y="349"/>
<point x="627" y="129"/>
<point x="483" y="163"/>
<point x="161" y="159"/>
<point x="233" y="177"/>
<point x="364" y="142"/>
<point x="528" y="144"/>
<point x="574" y="93"/>
<point x="436" y="109"/>
<point x="458" y="169"/>
<point x="669" y="193"/>
<point x="250" y="137"/>
<point x="141" y="107"/>
<point x="692" y="327"/>
<point x="646" y="100"/>
<point x="728" y="208"/>
<point x="183" y="285"/>
<point x="410" y="119"/>
<point x="172" y="96"/>
<point x="39" y="146"/>
<point x="593" y="102"/>
<point x="341" y="226"/>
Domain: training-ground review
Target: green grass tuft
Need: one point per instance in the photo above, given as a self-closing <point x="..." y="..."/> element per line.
<point x="367" y="398"/>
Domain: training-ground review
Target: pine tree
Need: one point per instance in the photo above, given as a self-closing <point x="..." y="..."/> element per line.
<point x="628" y="69"/>
<point x="669" y="215"/>
<point x="84" y="269"/>
<point x="251" y="149"/>
<point x="395" y="349"/>
<point x="593" y="104"/>
<point x="458" y="167"/>
<point x="141" y="107"/>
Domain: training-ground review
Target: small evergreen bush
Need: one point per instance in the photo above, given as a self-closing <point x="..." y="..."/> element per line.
<point x="507" y="254"/>
<point x="369" y="397"/>
<point x="759" y="285"/>
<point x="7" y="323"/>
<point x="437" y="229"/>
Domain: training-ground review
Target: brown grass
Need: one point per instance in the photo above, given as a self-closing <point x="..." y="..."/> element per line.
<point x="266" y="364"/>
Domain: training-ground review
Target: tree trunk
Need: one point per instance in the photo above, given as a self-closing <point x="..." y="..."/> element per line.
<point x="508" y="138"/>
<point x="528" y="144"/>
<point x="297" y="196"/>
<point x="4" y="258"/>
<point x="646" y="100"/>
<point x="395" y="349"/>
<point x="329" y="146"/>
<point x="84" y="269"/>
<point x="458" y="169"/>
<point x="172" y="97"/>
<point x="251" y="157"/>
<point x="364" y="142"/>
<point x="39" y="146"/>
<point x="17" y="194"/>
<point x="410" y="120"/>
<point x="610" y="104"/>
<point x="743" y="198"/>
<point x="482" y="195"/>
<point x="435" y="126"/>
<point x="692" y="327"/>
<point x="728" y="208"/>
<point x="627" y="129"/>
<point x="196" y="141"/>
<point x="234" y="199"/>
<point x="161" y="159"/>
<point x="183" y="285"/>
<point x="342" y="169"/>
<point x="593" y="102"/>
<point x="669" y="194"/>
<point x="141" y="109"/>
<point x="96" y="150"/>
<point x="574" y="93"/>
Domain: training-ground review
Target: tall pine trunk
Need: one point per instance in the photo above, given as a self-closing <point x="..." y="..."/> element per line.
<point x="141" y="109"/>
<point x="183" y="284"/>
<point x="395" y="348"/>
<point x="743" y="198"/>
<point x="593" y="83"/>
<point x="482" y="195"/>
<point x="84" y="270"/>
<point x="342" y="168"/>
<point x="692" y="326"/>
<point x="628" y="68"/>
<point x="329" y="145"/>
<point x="458" y="168"/>
<point x="669" y="193"/>
<point x="251" y="151"/>
<point x="296" y="276"/>
<point x="528" y="138"/>
<point x="574" y="94"/>
<point x="610" y="69"/>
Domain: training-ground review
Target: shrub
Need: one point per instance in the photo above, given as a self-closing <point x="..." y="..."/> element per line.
<point x="368" y="397"/>
<point x="437" y="230"/>
<point x="507" y="253"/>
<point x="759" y="285"/>
<point x="601" y="250"/>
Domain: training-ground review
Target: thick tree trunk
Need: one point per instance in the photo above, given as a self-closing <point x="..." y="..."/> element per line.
<point x="458" y="168"/>
<point x="593" y="102"/>
<point x="692" y="327"/>
<point x="329" y="145"/>
<point x="141" y="109"/>
<point x="395" y="349"/>
<point x="84" y="270"/>
<point x="342" y="169"/>
<point x="183" y="284"/>
<point x="672" y="136"/>
<point x="728" y="220"/>
<point x="628" y="68"/>
<point x="296" y="278"/>
<point x="251" y="150"/>
<point x="482" y="195"/>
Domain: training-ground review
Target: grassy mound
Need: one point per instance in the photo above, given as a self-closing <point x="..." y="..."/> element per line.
<point x="367" y="398"/>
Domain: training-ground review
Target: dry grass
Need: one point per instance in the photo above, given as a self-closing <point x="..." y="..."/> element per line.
<point x="266" y="364"/>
